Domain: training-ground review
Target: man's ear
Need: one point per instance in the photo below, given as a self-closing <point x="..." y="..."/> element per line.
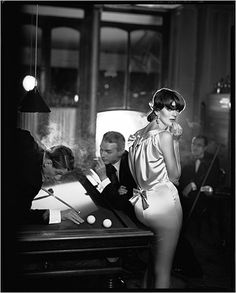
<point x="121" y="152"/>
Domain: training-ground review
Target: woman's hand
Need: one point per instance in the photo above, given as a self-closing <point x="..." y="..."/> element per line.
<point x="176" y="130"/>
<point x="131" y="139"/>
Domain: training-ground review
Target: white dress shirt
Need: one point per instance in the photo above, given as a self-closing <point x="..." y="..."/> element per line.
<point x="197" y="164"/>
<point x="95" y="180"/>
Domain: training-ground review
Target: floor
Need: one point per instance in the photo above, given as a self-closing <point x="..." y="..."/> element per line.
<point x="215" y="253"/>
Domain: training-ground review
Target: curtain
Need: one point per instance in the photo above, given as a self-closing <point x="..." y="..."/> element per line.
<point x="61" y="127"/>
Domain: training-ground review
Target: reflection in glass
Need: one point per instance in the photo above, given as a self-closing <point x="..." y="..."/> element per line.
<point x="113" y="59"/>
<point x="145" y="67"/>
<point x="64" y="66"/>
<point x="28" y="43"/>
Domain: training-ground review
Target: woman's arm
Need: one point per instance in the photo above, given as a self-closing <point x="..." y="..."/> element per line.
<point x="170" y="150"/>
<point x="177" y="155"/>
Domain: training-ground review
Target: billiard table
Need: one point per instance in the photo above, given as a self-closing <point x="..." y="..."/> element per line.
<point x="75" y="257"/>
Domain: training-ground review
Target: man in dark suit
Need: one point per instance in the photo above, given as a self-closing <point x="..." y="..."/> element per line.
<point x="194" y="173"/>
<point x="32" y="164"/>
<point x="113" y="170"/>
<point x="190" y="183"/>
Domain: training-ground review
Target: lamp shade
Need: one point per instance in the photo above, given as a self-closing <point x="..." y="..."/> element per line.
<point x="33" y="102"/>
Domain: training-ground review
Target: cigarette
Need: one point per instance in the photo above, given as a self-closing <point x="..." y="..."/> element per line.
<point x="95" y="159"/>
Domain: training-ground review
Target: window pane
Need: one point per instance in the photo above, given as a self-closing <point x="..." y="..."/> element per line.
<point x="64" y="66"/>
<point x="145" y="67"/>
<point x="124" y="121"/>
<point x="113" y="60"/>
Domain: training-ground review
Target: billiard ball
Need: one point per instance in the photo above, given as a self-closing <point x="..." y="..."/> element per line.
<point x="91" y="219"/>
<point x="107" y="223"/>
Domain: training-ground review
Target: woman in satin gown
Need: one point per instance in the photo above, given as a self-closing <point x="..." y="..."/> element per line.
<point x="155" y="165"/>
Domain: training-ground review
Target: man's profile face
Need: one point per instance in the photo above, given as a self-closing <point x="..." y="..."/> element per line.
<point x="198" y="147"/>
<point x="109" y="152"/>
<point x="51" y="172"/>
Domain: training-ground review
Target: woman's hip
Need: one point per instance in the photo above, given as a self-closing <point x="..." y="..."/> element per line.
<point x="164" y="206"/>
<point x="163" y="195"/>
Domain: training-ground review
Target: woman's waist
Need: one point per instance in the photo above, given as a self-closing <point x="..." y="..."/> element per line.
<point x="154" y="185"/>
<point x="159" y="188"/>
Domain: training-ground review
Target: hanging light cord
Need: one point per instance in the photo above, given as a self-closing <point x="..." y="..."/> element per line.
<point x="36" y="45"/>
<point x="31" y="45"/>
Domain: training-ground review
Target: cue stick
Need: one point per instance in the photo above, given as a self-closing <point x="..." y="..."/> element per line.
<point x="65" y="203"/>
<point x="203" y="182"/>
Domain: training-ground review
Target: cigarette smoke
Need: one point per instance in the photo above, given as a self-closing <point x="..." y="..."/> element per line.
<point x="83" y="150"/>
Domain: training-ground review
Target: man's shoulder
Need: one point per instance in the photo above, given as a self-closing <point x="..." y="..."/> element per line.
<point x="208" y="157"/>
<point x="124" y="157"/>
<point x="187" y="161"/>
<point x="23" y="136"/>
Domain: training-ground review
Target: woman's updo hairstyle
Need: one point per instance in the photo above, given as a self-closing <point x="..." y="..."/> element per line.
<point x="165" y="98"/>
<point x="62" y="157"/>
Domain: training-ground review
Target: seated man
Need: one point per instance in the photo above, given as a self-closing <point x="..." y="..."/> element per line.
<point x="194" y="173"/>
<point x="113" y="171"/>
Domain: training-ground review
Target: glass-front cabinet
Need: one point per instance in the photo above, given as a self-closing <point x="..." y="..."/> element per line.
<point x="130" y="68"/>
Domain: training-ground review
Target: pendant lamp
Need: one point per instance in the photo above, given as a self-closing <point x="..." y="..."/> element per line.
<point x="33" y="102"/>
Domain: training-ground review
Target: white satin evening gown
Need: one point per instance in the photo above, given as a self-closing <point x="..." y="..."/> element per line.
<point x="157" y="204"/>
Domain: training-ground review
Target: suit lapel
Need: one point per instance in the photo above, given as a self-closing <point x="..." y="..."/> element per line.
<point x="123" y="168"/>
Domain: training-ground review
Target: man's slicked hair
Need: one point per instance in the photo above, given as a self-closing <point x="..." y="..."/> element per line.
<point x="115" y="137"/>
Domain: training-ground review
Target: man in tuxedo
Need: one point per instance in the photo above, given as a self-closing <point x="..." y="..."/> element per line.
<point x="190" y="183"/>
<point x="194" y="173"/>
<point x="113" y="170"/>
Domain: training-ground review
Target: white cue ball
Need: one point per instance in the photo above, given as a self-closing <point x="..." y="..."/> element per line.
<point x="107" y="223"/>
<point x="91" y="219"/>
